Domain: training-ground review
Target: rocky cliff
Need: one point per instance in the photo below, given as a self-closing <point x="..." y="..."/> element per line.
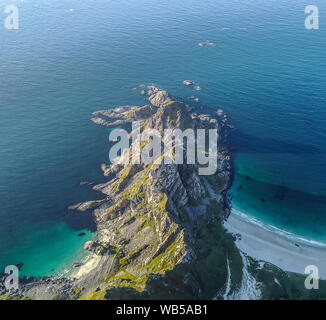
<point x="149" y="221"/>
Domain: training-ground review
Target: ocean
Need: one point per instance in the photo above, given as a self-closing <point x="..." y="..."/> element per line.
<point x="71" y="58"/>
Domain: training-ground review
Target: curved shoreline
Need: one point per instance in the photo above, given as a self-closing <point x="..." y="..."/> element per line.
<point x="287" y="235"/>
<point x="262" y="243"/>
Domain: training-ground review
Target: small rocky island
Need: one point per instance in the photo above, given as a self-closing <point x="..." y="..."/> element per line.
<point x="160" y="226"/>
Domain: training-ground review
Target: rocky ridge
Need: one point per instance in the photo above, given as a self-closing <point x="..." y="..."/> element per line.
<point x="150" y="209"/>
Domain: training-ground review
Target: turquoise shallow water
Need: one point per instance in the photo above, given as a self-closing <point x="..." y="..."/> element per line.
<point x="266" y="71"/>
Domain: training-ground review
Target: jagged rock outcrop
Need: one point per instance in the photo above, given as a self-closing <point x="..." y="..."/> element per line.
<point x="147" y="205"/>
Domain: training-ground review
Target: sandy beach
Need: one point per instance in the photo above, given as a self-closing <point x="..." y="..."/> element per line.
<point x="266" y="245"/>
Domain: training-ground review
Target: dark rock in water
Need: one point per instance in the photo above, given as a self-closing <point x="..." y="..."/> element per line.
<point x="19" y="265"/>
<point x="77" y="264"/>
<point x="306" y="120"/>
<point x="81" y="234"/>
<point x="280" y="193"/>
<point x="262" y="200"/>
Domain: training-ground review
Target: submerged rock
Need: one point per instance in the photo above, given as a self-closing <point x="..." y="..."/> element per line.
<point x="188" y="82"/>
<point x="19" y="265"/>
<point x="207" y="43"/>
<point x="86" y="183"/>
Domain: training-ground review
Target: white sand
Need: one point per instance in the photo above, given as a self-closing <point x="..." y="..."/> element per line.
<point x="91" y="263"/>
<point x="266" y="245"/>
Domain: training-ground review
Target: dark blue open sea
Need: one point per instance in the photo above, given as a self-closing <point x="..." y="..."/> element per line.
<point x="266" y="70"/>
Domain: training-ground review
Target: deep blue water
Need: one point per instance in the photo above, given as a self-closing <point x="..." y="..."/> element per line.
<point x="266" y="71"/>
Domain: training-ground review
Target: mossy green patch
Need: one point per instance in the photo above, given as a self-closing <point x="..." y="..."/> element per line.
<point x="95" y="295"/>
<point x="167" y="259"/>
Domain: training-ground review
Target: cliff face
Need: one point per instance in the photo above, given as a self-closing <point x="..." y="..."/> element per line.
<point x="148" y="220"/>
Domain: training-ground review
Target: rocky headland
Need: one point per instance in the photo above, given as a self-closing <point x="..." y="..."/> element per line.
<point x="160" y="226"/>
